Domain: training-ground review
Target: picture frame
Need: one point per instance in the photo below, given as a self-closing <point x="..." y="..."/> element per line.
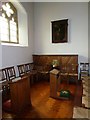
<point x="60" y="31"/>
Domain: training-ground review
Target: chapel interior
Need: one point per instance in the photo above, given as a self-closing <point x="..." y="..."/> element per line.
<point x="45" y="60"/>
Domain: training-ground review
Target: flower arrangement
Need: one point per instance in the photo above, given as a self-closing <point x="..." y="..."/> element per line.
<point x="55" y="63"/>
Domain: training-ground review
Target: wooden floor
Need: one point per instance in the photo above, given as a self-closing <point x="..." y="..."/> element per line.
<point x="43" y="106"/>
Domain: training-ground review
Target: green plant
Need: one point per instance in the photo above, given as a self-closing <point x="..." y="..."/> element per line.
<point x="55" y="63"/>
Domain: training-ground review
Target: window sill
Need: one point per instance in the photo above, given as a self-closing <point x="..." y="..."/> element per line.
<point x="12" y="44"/>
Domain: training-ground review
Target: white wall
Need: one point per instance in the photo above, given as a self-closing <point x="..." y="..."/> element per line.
<point x="44" y="13"/>
<point x="14" y="55"/>
<point x="89" y="31"/>
<point x="0" y="55"/>
<point x="0" y="92"/>
<point x="77" y="13"/>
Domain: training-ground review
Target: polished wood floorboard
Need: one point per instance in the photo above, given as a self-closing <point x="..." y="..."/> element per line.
<point x="43" y="106"/>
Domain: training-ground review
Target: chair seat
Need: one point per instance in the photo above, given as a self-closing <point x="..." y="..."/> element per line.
<point x="44" y="72"/>
<point x="73" y="74"/>
<point x="16" y="79"/>
<point x="4" y="83"/>
<point x="4" y="86"/>
<point x="84" y="72"/>
<point x="33" y="74"/>
<point x="33" y="71"/>
<point x="63" y="73"/>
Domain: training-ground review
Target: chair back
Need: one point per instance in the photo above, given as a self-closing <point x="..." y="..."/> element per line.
<point x="28" y="67"/>
<point x="11" y="73"/>
<point x="84" y="70"/>
<point x="74" y="68"/>
<point x="4" y="86"/>
<point x="3" y="75"/>
<point x="21" y="70"/>
<point x="84" y="66"/>
<point x="64" y="68"/>
<point x="3" y="80"/>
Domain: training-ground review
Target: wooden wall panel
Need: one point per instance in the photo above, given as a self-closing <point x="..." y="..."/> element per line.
<point x="69" y="59"/>
<point x="47" y="59"/>
<point x="68" y="63"/>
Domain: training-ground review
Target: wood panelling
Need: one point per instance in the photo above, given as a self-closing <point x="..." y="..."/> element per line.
<point x="47" y="59"/>
<point x="65" y="62"/>
<point x="69" y="59"/>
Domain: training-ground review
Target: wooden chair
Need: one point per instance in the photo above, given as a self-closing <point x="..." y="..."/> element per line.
<point x="4" y="86"/>
<point x="64" y="72"/>
<point x="69" y="72"/>
<point x="21" y="70"/>
<point x="43" y="71"/>
<point x="5" y="89"/>
<point x="84" y="70"/>
<point x="73" y="73"/>
<point x="30" y="69"/>
<point x="11" y="74"/>
<point x="3" y="75"/>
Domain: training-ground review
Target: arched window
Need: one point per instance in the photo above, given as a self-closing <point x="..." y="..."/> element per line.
<point x="9" y="23"/>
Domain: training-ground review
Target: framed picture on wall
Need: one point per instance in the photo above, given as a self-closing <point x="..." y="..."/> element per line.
<point x="60" y="31"/>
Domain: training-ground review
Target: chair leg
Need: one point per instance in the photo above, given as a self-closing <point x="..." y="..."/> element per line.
<point x="36" y="77"/>
<point x="31" y="80"/>
<point x="80" y="76"/>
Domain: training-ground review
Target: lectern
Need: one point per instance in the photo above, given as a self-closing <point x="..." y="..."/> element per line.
<point x="54" y="86"/>
<point x="54" y="82"/>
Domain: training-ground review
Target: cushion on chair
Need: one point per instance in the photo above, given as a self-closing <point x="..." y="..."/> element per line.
<point x="7" y="106"/>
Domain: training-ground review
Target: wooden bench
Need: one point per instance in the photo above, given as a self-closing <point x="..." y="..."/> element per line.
<point x="67" y="63"/>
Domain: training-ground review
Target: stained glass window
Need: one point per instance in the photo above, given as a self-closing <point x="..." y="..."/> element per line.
<point x="8" y="23"/>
